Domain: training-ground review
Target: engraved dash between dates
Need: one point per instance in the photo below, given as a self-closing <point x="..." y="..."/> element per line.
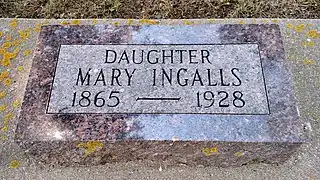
<point x="158" y="99"/>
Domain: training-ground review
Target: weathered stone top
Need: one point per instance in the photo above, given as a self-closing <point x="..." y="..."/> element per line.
<point x="268" y="116"/>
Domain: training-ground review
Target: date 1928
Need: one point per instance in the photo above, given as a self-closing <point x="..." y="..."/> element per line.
<point x="207" y="99"/>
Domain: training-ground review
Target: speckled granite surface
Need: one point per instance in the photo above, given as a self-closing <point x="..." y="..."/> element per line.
<point x="51" y="138"/>
<point x="301" y="42"/>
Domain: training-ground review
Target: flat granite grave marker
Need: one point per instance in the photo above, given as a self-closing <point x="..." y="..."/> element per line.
<point x="197" y="95"/>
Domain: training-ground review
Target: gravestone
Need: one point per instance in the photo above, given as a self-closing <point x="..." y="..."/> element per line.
<point x="198" y="95"/>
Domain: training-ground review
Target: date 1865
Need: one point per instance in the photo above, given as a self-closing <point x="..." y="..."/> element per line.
<point x="86" y="98"/>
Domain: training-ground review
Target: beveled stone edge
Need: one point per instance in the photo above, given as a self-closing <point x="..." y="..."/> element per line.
<point x="114" y="28"/>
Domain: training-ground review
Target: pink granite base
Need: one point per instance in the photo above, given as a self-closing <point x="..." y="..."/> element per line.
<point x="54" y="138"/>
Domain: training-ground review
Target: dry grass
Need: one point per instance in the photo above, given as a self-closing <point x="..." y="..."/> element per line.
<point x="154" y="9"/>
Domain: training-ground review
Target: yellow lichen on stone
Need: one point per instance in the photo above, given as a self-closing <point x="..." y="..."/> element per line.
<point x="211" y="20"/>
<point x="299" y="28"/>
<point x="94" y="21"/>
<point x="3" y="138"/>
<point x="27" y="52"/>
<point x="290" y="26"/>
<point x="6" y="45"/>
<point x="116" y="24"/>
<point x="142" y="21"/>
<point x="38" y="27"/>
<point x="186" y="22"/>
<point x="75" y="22"/>
<point x="13" y="23"/>
<point x="210" y="151"/>
<point x="7" y="82"/>
<point x="15" y="43"/>
<point x="313" y="34"/>
<point x="20" y="68"/>
<point x="214" y="150"/>
<point x="4" y="128"/>
<point x="3" y="108"/>
<point x="10" y="55"/>
<point x="25" y="34"/>
<point x="1" y="34"/>
<point x="148" y="21"/>
<point x="2" y="51"/>
<point x="2" y="94"/>
<point x="310" y="43"/>
<point x="239" y="154"/>
<point x="130" y="21"/>
<point x="3" y="75"/>
<point x="7" y="56"/>
<point x="206" y="151"/>
<point x="9" y="116"/>
<point x="16" y="103"/>
<point x="307" y="43"/>
<point x="14" y="164"/>
<point x="242" y="22"/>
<point x="8" y="38"/>
<point x="5" y="62"/>
<point x="274" y="20"/>
<point x="309" y="62"/>
<point x="90" y="146"/>
<point x="266" y="21"/>
<point x="65" y="23"/>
